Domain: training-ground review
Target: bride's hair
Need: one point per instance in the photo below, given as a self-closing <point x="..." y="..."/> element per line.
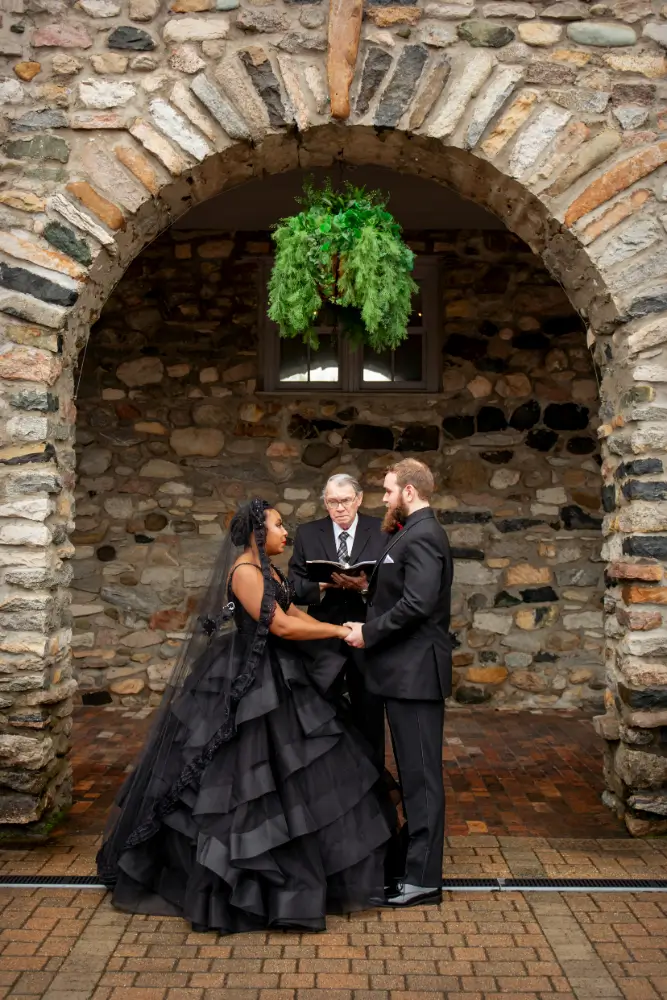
<point x="247" y="520"/>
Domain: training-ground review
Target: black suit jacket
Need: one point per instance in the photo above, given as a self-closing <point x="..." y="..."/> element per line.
<point x="408" y="647"/>
<point x="317" y="541"/>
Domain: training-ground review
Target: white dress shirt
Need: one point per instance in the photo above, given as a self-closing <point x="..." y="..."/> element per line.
<point x="351" y="531"/>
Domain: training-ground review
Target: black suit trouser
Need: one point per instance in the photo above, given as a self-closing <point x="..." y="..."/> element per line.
<point x="366" y="710"/>
<point x="416" y="733"/>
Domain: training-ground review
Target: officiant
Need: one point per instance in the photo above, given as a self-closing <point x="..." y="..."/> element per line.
<point x="348" y="537"/>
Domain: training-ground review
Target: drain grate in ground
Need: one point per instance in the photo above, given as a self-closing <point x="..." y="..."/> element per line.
<point x="556" y="884"/>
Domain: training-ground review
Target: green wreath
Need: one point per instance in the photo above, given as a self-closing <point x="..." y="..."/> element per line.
<point x="346" y="249"/>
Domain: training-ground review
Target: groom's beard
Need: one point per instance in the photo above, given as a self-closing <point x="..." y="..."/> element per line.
<point x="394" y="519"/>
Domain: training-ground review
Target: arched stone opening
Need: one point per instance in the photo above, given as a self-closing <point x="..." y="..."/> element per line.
<point x="179" y="419"/>
<point x="37" y="774"/>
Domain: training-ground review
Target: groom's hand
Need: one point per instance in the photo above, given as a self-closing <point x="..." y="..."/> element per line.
<point x="355" y="638"/>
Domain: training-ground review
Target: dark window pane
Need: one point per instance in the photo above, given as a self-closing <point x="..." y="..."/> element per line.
<point x="324" y="361"/>
<point x="293" y="360"/>
<point x="416" y="317"/>
<point x="408" y="365"/>
<point x="377" y="367"/>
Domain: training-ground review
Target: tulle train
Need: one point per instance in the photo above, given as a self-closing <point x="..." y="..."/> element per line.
<point x="288" y="822"/>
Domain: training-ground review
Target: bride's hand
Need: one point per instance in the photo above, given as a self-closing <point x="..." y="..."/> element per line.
<point x="356" y="635"/>
<point x="344" y="631"/>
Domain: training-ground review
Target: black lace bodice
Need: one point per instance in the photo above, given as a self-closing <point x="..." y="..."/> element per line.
<point x="283" y="593"/>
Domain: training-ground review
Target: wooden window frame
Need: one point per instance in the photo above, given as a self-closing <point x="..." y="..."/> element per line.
<point x="350" y="357"/>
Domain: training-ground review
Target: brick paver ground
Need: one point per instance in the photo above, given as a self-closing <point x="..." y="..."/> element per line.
<point x="517" y="773"/>
<point x="511" y="774"/>
<point x="67" y="945"/>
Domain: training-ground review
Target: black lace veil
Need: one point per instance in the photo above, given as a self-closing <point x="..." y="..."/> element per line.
<point x="153" y="790"/>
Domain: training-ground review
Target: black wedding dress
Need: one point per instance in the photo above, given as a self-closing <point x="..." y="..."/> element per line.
<point x="271" y="818"/>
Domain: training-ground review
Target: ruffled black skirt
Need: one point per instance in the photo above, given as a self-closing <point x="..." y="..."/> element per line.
<point x="287" y="822"/>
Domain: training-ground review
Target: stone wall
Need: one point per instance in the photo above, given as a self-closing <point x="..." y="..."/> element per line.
<point x="119" y="115"/>
<point x="171" y="435"/>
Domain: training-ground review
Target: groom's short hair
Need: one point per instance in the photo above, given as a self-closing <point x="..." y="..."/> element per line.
<point x="411" y="472"/>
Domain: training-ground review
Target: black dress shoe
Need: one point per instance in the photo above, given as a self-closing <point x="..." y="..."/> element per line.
<point x="392" y="885"/>
<point x="406" y="895"/>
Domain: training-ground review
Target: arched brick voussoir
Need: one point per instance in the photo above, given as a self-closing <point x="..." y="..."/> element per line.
<point x="472" y="176"/>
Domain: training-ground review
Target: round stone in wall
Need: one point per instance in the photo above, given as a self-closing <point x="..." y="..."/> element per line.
<point x="600" y="33"/>
<point x="459" y="427"/>
<point x="470" y="694"/>
<point x="581" y="446"/>
<point x="485" y="34"/>
<point x="106" y="553"/>
<point x="466" y="474"/>
<point x="527" y="681"/>
<point x="127" y="37"/>
<point x="128" y="685"/>
<point x="541" y="440"/>
<point x="143" y="371"/>
<point x="206" y="415"/>
<point x="490" y="419"/>
<point x="94" y="461"/>
<point x="566" y="417"/>
<point x="318" y="454"/>
<point x="205" y="441"/>
<point x="155" y="522"/>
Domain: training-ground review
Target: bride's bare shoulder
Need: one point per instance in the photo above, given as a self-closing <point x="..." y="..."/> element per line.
<point x="243" y="569"/>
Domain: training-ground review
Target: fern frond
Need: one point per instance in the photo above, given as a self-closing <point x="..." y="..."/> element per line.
<point x="350" y="230"/>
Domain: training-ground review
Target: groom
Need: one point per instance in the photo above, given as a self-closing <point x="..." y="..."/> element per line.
<point x="409" y="663"/>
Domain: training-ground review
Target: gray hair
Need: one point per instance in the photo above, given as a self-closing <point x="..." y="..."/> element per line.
<point x="342" y="479"/>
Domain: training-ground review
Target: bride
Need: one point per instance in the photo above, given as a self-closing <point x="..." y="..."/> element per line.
<point x="253" y="805"/>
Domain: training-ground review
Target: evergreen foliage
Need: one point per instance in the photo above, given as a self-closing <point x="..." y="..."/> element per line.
<point x="346" y="249"/>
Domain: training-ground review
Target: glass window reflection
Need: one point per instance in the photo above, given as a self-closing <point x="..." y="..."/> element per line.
<point x="408" y="364"/>
<point x="405" y="364"/>
<point x="324" y="361"/>
<point x="301" y="363"/>
<point x="377" y="366"/>
<point x="293" y="360"/>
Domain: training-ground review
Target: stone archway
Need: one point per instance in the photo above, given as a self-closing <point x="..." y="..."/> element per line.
<point x="77" y="207"/>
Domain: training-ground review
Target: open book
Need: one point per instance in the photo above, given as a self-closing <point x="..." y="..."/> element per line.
<point x="321" y="570"/>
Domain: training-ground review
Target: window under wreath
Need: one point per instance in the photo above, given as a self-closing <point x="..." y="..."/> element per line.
<point x="289" y="365"/>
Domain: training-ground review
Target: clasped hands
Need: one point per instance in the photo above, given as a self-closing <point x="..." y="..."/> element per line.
<point x="355" y="636"/>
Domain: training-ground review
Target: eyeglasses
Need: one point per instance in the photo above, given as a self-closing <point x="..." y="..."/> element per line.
<point x="333" y="504"/>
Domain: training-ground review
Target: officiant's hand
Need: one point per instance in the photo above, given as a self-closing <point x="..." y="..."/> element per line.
<point x="359" y="583"/>
<point x="356" y="637"/>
